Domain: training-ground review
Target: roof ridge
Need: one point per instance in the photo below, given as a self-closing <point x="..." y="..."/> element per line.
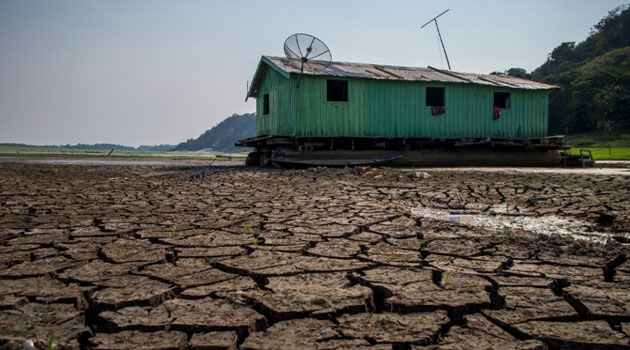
<point x="395" y="73"/>
<point x="355" y="63"/>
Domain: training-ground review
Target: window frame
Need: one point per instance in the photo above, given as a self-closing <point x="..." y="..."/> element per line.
<point x="344" y="92"/>
<point x="266" y="104"/>
<point x="505" y="96"/>
<point x="443" y="97"/>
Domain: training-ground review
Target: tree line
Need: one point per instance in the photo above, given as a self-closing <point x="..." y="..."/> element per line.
<point x="593" y="78"/>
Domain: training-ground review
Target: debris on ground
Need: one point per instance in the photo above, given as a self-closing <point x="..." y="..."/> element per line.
<point x="155" y="257"/>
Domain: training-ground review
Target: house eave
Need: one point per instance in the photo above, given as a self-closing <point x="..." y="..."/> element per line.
<point x="259" y="74"/>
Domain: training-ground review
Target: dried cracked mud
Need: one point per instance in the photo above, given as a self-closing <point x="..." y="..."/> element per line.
<point x="149" y="257"/>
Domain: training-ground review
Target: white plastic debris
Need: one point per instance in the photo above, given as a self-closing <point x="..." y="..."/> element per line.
<point x="462" y="219"/>
<point x="422" y="174"/>
<point x="29" y="345"/>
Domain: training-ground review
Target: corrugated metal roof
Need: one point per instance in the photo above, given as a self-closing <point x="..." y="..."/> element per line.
<point x="385" y="72"/>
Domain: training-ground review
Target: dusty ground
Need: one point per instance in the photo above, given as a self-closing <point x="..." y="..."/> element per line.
<point x="154" y="257"/>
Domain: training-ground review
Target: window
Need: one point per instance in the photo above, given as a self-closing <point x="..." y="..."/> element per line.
<point x="337" y="90"/>
<point x="435" y="96"/>
<point x="266" y="104"/>
<point x="502" y="99"/>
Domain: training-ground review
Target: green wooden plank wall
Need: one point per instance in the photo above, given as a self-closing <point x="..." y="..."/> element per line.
<point x="396" y="109"/>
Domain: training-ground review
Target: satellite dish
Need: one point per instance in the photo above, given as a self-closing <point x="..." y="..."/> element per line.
<point x="308" y="52"/>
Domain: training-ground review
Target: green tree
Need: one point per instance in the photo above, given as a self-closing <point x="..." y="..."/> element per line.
<point x="518" y="72"/>
<point x="593" y="78"/>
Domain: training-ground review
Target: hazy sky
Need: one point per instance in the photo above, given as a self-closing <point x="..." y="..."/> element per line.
<point x="150" y="71"/>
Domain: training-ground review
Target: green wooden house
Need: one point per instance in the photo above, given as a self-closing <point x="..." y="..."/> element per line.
<point x="360" y="106"/>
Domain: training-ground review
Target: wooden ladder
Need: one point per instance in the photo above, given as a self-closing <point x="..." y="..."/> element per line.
<point x="587" y="158"/>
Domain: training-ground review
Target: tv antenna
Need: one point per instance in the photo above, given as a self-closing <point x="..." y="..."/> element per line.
<point x="311" y="52"/>
<point x="434" y="19"/>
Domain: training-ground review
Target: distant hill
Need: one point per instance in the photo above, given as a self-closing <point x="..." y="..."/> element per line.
<point x="157" y="148"/>
<point x="593" y="76"/>
<point x="221" y="137"/>
<point x="96" y="146"/>
<point x="99" y="147"/>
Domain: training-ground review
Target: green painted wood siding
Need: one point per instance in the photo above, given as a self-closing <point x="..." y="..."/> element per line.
<point x="282" y="107"/>
<point x="386" y="108"/>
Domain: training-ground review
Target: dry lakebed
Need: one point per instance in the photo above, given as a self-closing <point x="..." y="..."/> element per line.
<point x="191" y="256"/>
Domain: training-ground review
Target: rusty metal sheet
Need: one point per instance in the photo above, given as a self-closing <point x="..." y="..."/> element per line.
<point x="385" y="72"/>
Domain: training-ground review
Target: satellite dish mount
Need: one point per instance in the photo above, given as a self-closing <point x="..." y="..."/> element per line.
<point x="307" y="51"/>
<point x="434" y="19"/>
